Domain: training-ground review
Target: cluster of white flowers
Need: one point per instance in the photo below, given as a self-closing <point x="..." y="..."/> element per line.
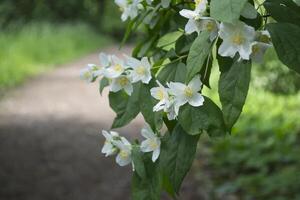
<point x="116" y="144"/>
<point x="131" y="8"/>
<point x="237" y="38"/>
<point x="176" y="95"/>
<point x="120" y="73"/>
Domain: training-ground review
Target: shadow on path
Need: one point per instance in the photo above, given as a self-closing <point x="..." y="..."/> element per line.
<point x="50" y="140"/>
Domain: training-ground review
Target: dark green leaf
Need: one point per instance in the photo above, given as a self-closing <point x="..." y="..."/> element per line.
<point x="226" y="10"/>
<point x="233" y="90"/>
<point x="178" y="152"/>
<point x="167" y="41"/>
<point x="208" y="117"/>
<point x="172" y="72"/>
<point x="283" y="11"/>
<point x="137" y="158"/>
<point x="199" y="51"/>
<point x="126" y="107"/>
<point x="286" y="40"/>
<point x="148" y="188"/>
<point x="102" y="84"/>
<point x="184" y="43"/>
<point x="147" y="102"/>
<point x="206" y="71"/>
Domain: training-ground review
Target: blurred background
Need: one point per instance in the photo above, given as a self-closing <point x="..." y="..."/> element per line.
<point x="50" y="120"/>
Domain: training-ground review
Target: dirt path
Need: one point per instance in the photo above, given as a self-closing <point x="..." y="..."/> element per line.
<point x="50" y="142"/>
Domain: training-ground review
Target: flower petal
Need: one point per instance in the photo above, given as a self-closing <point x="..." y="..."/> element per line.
<point x="195" y="84"/>
<point x="196" y="100"/>
<point x="155" y="154"/>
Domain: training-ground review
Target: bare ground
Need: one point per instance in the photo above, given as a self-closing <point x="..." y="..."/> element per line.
<point x="50" y="140"/>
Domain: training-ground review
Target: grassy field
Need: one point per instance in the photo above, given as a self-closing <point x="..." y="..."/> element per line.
<point x="38" y="47"/>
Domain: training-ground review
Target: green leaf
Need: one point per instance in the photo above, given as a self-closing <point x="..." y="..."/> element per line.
<point x="102" y="84"/>
<point x="137" y="158"/>
<point x="283" y="11"/>
<point x="126" y="107"/>
<point x="167" y="41"/>
<point x="226" y="10"/>
<point x="148" y="188"/>
<point x="206" y="71"/>
<point x="199" y="51"/>
<point x="233" y="90"/>
<point x="208" y="117"/>
<point x="172" y="72"/>
<point x="184" y="43"/>
<point x="286" y="40"/>
<point x="177" y="155"/>
<point x="147" y="102"/>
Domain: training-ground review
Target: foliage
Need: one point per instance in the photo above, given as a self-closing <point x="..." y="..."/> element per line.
<point x="174" y="66"/>
<point x="274" y="77"/>
<point x="37" y="47"/>
<point x="93" y="12"/>
<point x="261" y="155"/>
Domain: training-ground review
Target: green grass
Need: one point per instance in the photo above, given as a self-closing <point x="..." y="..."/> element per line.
<point x="38" y="47"/>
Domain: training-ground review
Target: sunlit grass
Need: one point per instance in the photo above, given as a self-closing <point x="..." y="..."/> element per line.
<point x="38" y="47"/>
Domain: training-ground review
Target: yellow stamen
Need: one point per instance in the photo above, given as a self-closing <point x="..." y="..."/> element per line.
<point x="140" y="70"/>
<point x="87" y="75"/>
<point x="188" y="92"/>
<point x="123" y="81"/>
<point x="255" y="49"/>
<point x="210" y="26"/>
<point x="118" y="68"/>
<point x="123" y="154"/>
<point x="153" y="144"/>
<point x="264" y="39"/>
<point x="238" y="39"/>
<point x="160" y="94"/>
<point x="197" y="2"/>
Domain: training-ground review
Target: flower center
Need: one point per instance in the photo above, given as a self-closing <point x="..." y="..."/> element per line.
<point x="140" y="70"/>
<point x="118" y="68"/>
<point x="264" y="39"/>
<point x="210" y="26"/>
<point x="160" y="94"/>
<point x="198" y="2"/>
<point x="123" y="81"/>
<point x="153" y="144"/>
<point x="238" y="39"/>
<point x="87" y="75"/>
<point x="188" y="92"/>
<point x="255" y="49"/>
<point x="124" y="154"/>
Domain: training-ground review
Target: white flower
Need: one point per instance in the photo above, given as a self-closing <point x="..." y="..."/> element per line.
<point x="141" y="70"/>
<point x="236" y="37"/>
<point x="109" y="148"/>
<point x="194" y="16"/>
<point x="249" y="11"/>
<point x="186" y="93"/>
<point x="87" y="73"/>
<point x="200" y="6"/>
<point x="152" y="142"/>
<point x="193" y="22"/>
<point x="210" y="25"/>
<point x="116" y="69"/>
<point x="129" y="8"/>
<point x="172" y="113"/>
<point x="160" y="93"/>
<point x="260" y="46"/>
<point x="121" y="82"/>
<point x="105" y="61"/>
<point x="124" y="156"/>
